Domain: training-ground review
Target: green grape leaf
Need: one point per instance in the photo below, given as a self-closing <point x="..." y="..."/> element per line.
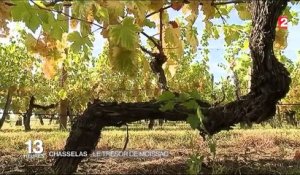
<point x="48" y="22"/>
<point x="149" y="23"/>
<point x="196" y="120"/>
<point x="201" y="118"/>
<point x="63" y="23"/>
<point x="166" y="96"/>
<point x="212" y="146"/>
<point x="78" y="42"/>
<point x="101" y="14"/>
<point x="168" y="106"/>
<point x="75" y="37"/>
<point x="195" y="164"/>
<point x="231" y="33"/>
<point x="196" y="95"/>
<point x="199" y="115"/>
<point x="23" y="11"/>
<point x="44" y="16"/>
<point x="29" y="40"/>
<point x="85" y="29"/>
<point x="33" y="23"/>
<point x="62" y="94"/>
<point x="125" y="34"/>
<point x="58" y="27"/>
<point x="191" y="104"/>
<point x="292" y="15"/>
<point x="123" y="60"/>
<point x="183" y="97"/>
<point x="20" y="10"/>
<point x="193" y="120"/>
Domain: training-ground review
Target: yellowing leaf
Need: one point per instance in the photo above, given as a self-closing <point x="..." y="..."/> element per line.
<point x="281" y="39"/>
<point x="191" y="36"/>
<point x="102" y="13"/>
<point x="246" y="45"/>
<point x="171" y="35"/>
<point x="193" y="6"/>
<point x="49" y="68"/>
<point x="208" y="10"/>
<point x="171" y="66"/>
<point x="40" y="4"/>
<point x="177" y="5"/>
<point x="139" y="9"/>
<point x="105" y="30"/>
<point x="115" y="10"/>
<point x="62" y="44"/>
<point x="73" y="23"/>
<point x="243" y="11"/>
<point x="104" y="33"/>
<point x="172" y="42"/>
<point x="116" y="6"/>
<point x="165" y="18"/>
<point x="191" y="19"/>
<point x="30" y="41"/>
<point x="156" y="4"/>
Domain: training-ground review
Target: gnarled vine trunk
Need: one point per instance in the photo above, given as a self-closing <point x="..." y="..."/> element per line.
<point x="269" y="83"/>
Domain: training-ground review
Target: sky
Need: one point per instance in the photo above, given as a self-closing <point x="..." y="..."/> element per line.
<point x="216" y="47"/>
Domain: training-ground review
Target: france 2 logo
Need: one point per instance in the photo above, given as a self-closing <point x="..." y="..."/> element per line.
<point x="282" y="22"/>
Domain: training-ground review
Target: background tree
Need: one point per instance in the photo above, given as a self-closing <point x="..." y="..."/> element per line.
<point x="16" y="74"/>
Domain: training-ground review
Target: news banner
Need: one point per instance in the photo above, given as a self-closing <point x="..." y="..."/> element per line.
<point x="35" y="149"/>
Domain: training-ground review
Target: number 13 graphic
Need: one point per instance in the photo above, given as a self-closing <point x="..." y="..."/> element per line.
<point x="38" y="146"/>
